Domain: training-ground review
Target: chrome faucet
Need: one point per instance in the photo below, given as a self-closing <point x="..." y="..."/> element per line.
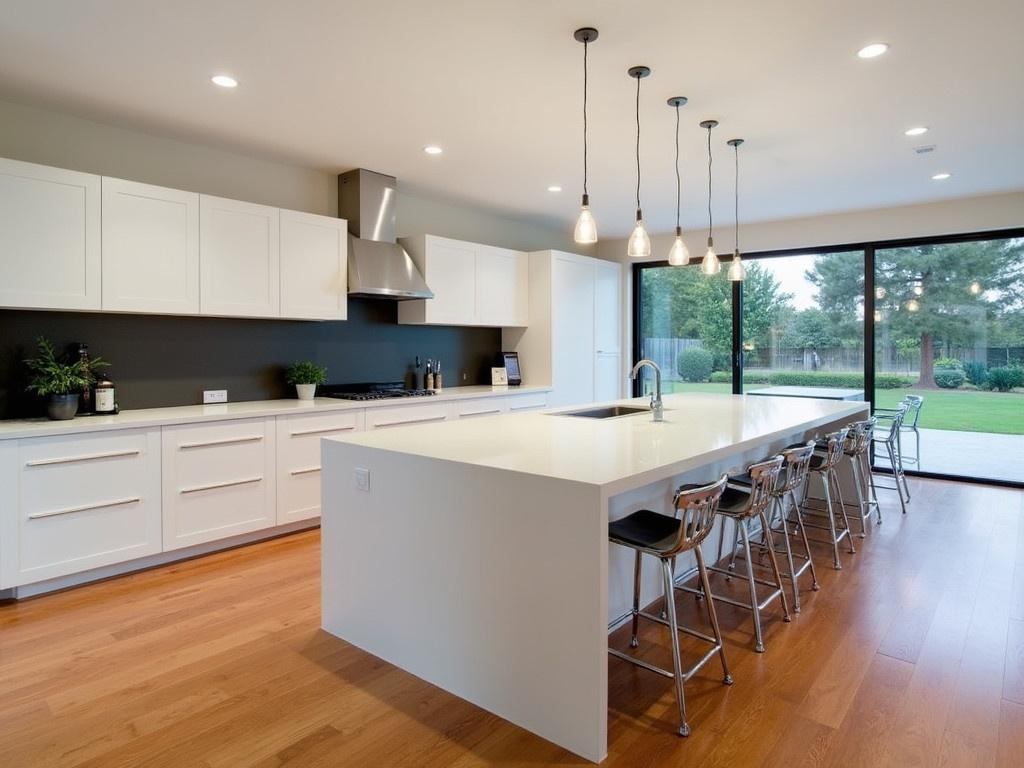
<point x="656" y="405"/>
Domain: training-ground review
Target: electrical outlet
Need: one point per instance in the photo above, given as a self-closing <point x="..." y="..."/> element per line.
<point x="362" y="479"/>
<point x="215" y="396"/>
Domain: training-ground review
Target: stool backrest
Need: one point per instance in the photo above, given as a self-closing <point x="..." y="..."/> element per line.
<point x="834" y="444"/>
<point x="696" y="509"/>
<point x="897" y="421"/>
<point x="859" y="436"/>
<point x="764" y="477"/>
<point x="798" y="463"/>
<point x="914" y="403"/>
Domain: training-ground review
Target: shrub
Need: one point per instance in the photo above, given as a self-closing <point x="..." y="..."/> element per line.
<point x="814" y="379"/>
<point x="976" y="373"/>
<point x="722" y="377"/>
<point x="305" y="372"/>
<point x="948" y="362"/>
<point x="695" y="364"/>
<point x="891" y="381"/>
<point x="1005" y="378"/>
<point x="949" y="378"/>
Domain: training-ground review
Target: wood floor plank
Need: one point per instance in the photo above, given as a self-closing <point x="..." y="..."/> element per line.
<point x="904" y="656"/>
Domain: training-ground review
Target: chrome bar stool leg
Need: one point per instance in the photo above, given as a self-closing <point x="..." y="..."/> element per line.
<point x="834" y="479"/>
<point x="758" y="638"/>
<point x="670" y="606"/>
<point x="896" y="473"/>
<point x="775" y="565"/>
<point x="807" y="544"/>
<point x="831" y="523"/>
<point x="633" y="642"/>
<point x="866" y="470"/>
<point x="705" y="584"/>
<point x="789" y="555"/>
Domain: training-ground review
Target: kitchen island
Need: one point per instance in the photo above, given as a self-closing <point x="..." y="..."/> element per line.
<point x="475" y="554"/>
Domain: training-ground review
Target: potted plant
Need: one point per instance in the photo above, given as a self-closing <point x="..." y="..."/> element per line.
<point x="305" y="376"/>
<point x="60" y="382"/>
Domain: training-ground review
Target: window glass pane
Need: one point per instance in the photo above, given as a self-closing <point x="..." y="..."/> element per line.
<point x="685" y="321"/>
<point x="803" y="326"/>
<point x="949" y="328"/>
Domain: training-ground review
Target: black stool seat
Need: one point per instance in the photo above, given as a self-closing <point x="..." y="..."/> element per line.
<point x="733" y="501"/>
<point x="818" y="462"/>
<point x="646" y="529"/>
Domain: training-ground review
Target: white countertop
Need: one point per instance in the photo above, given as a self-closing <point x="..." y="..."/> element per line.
<point x="186" y="414"/>
<point x="698" y="430"/>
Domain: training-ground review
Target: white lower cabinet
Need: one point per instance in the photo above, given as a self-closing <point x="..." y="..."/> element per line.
<point x="533" y="401"/>
<point x="72" y="503"/>
<point x="298" y="460"/>
<point x="404" y="415"/>
<point x="218" y="480"/>
<point x="484" y="406"/>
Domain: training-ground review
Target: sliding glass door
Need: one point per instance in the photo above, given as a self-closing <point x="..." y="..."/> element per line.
<point x="949" y="329"/>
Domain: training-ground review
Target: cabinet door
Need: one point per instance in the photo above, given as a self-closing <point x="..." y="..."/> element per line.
<point x="150" y="248"/>
<point x="49" y="237"/>
<point x="218" y="480"/>
<point x="501" y="286"/>
<point x="239" y="258"/>
<point x="607" y="307"/>
<point x="607" y="377"/>
<point x="479" y="406"/>
<point x="314" y="267"/>
<point x="451" y="275"/>
<point x="572" y="320"/>
<point x="79" y="502"/>
<point x="405" y="415"/>
<point x="298" y="459"/>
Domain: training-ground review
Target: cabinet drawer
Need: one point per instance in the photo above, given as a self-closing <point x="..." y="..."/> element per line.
<point x="405" y="415"/>
<point x="80" y="502"/>
<point x="483" y="406"/>
<point x="218" y="480"/>
<point x="298" y="459"/>
<point x="529" y="402"/>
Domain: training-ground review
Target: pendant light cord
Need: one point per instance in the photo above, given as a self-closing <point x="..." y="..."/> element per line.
<point x="679" y="183"/>
<point x="710" y="227"/>
<point x="586" y="46"/>
<point x="736" y="238"/>
<point x="638" y="143"/>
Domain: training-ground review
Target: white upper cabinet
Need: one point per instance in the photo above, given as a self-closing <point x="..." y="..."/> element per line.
<point x="473" y="284"/>
<point x="49" y="237"/>
<point x="314" y="266"/>
<point x="239" y="257"/>
<point x="607" y="307"/>
<point x="502" y="276"/>
<point x="150" y="248"/>
<point x="572" y="321"/>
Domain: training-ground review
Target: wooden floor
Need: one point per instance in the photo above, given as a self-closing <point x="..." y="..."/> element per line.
<point x="913" y="654"/>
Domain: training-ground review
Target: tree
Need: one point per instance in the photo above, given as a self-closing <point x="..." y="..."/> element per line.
<point x="810" y="328"/>
<point x="931" y="294"/>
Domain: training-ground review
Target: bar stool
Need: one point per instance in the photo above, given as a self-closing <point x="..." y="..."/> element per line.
<point x="742" y="502"/>
<point x="890" y="438"/>
<point x="665" y="537"/>
<point x="823" y="465"/>
<point x="858" y="441"/>
<point x="796" y="464"/>
<point x="911" y="416"/>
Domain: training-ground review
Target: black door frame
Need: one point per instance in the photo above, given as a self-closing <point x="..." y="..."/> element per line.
<point x="869" y="249"/>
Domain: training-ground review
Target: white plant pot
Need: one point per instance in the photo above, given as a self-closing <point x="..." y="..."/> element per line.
<point x="305" y="391"/>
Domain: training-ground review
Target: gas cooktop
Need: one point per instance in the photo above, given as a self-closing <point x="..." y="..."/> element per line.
<point x="371" y="391"/>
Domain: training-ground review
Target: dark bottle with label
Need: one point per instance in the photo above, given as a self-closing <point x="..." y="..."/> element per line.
<point x="85" y="401"/>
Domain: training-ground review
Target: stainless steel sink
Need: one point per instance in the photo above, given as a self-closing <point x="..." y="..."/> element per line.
<point x="607" y="412"/>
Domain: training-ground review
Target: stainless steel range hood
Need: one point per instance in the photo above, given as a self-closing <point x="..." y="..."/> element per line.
<point x="377" y="266"/>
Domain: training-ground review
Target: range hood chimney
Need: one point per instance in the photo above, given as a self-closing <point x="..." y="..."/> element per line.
<point x="377" y="266"/>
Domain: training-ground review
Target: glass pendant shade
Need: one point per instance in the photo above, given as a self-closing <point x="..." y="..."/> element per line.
<point x="639" y="242"/>
<point x="737" y="271"/>
<point x="586" y="227"/>
<point x="710" y="265"/>
<point x="679" y="254"/>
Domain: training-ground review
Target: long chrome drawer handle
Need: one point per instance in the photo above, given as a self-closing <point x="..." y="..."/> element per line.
<point x="305" y="471"/>
<point x="225" y="441"/>
<point x="408" y="421"/>
<point x="322" y="430"/>
<point x="85" y="507"/>
<point x="225" y="484"/>
<point x="480" y="413"/>
<point x="83" y="457"/>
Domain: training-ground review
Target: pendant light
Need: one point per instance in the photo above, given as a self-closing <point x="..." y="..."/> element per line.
<point x="678" y="254"/>
<point x="639" y="246"/>
<point x="586" y="227"/>
<point x="710" y="265"/>
<point x="737" y="271"/>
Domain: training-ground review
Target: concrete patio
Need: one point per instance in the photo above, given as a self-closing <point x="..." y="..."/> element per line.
<point x="968" y="454"/>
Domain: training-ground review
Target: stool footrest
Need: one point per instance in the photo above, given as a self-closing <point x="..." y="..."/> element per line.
<point x="679" y="627"/>
<point x="776" y="592"/>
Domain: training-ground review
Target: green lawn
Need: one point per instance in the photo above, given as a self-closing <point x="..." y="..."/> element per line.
<point x="960" y="410"/>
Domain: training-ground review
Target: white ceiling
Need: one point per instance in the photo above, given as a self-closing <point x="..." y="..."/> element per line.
<point x="341" y="84"/>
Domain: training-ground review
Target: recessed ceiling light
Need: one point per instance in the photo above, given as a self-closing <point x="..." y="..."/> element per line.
<point x="433" y="149"/>
<point x="224" y="81"/>
<point x="941" y="176"/>
<point x="916" y="131"/>
<point x="872" y="50"/>
<point x="554" y="188"/>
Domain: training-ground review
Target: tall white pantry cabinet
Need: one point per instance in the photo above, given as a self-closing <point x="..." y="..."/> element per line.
<point x="574" y="340"/>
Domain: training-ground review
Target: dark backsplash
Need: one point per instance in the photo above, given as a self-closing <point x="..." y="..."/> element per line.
<point x="162" y="361"/>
